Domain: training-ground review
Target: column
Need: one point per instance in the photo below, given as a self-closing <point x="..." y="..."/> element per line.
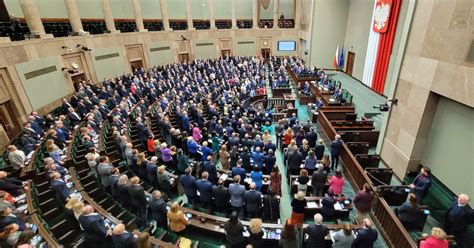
<point x="74" y="17"/>
<point x="234" y="19"/>
<point x="137" y="12"/>
<point x="108" y="17"/>
<point x="297" y="14"/>
<point x="255" y="14"/>
<point x="32" y="17"/>
<point x="212" y="16"/>
<point x="164" y="14"/>
<point x="189" y="15"/>
<point x="276" y="13"/>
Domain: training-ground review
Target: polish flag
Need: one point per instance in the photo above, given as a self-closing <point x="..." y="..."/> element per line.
<point x="336" y="58"/>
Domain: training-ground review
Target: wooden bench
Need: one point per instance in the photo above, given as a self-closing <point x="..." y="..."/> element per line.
<point x="368" y="160"/>
<point x="370" y="136"/>
<point x="358" y="147"/>
<point x="380" y="176"/>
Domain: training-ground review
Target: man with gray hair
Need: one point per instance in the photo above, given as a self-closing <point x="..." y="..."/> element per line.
<point x="336" y="149"/>
<point x="458" y="217"/>
<point x="316" y="232"/>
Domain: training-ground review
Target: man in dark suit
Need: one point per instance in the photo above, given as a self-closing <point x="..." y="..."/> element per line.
<point x="311" y="137"/>
<point x="123" y="239"/>
<point x="94" y="227"/>
<point x="253" y="201"/>
<point x="294" y="160"/>
<point x="221" y="196"/>
<point x="318" y="181"/>
<point x="158" y="210"/>
<point x="189" y="185"/>
<point x="74" y="118"/>
<point x="60" y="187"/>
<point x="316" y="232"/>
<point x="210" y="167"/>
<point x="421" y="184"/>
<point x="205" y="190"/>
<point x="319" y="149"/>
<point x="366" y="236"/>
<point x="138" y="200"/>
<point x="238" y="170"/>
<point x="458" y="217"/>
<point x="336" y="149"/>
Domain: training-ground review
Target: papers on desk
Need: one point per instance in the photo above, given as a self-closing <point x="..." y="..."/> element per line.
<point x="248" y="180"/>
<point x="311" y="204"/>
<point x="338" y="206"/>
<point x="224" y="176"/>
<point x="332" y="100"/>
<point x="331" y="233"/>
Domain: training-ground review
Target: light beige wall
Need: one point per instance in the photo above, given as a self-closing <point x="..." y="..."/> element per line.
<point x="200" y="9"/>
<point x="357" y="33"/>
<point x="46" y="88"/>
<point x="433" y="64"/>
<point x="151" y="9"/>
<point x="245" y="49"/>
<point x="396" y="45"/>
<point x="160" y="55"/>
<point x="223" y="9"/>
<point x="243" y="9"/>
<point x="87" y="8"/>
<point x="176" y="9"/>
<point x="328" y="29"/>
<point x="449" y="144"/>
<point x="108" y="67"/>
<point x="203" y="49"/>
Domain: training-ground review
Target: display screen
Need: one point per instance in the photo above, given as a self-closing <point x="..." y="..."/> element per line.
<point x="287" y="46"/>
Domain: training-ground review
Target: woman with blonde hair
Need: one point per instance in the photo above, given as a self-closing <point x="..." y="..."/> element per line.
<point x="143" y="239"/>
<point x="298" y="204"/>
<point x="177" y="222"/>
<point x="344" y="237"/>
<point x="141" y="164"/>
<point x="325" y="161"/>
<point x="54" y="152"/>
<point x="256" y="233"/>
<point x="224" y="156"/>
<point x="266" y="137"/>
<point x="436" y="240"/>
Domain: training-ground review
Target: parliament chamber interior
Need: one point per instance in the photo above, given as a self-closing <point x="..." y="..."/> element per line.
<point x="236" y="123"/>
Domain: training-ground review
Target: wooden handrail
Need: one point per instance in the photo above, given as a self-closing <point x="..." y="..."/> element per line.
<point x="43" y="232"/>
<point x="390" y="226"/>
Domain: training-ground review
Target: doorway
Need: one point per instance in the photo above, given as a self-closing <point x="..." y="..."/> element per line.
<point x="350" y="63"/>
<point x="225" y="53"/>
<point x="7" y="119"/>
<point x="137" y="64"/>
<point x="183" y="57"/>
<point x="77" y="79"/>
<point x="265" y="53"/>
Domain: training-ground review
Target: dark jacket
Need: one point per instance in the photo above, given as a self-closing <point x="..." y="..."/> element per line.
<point x="239" y="171"/>
<point x="61" y="189"/>
<point x="94" y="227"/>
<point x="189" y="184"/>
<point x="221" y="197"/>
<point x="363" y="201"/>
<point x="422" y="185"/>
<point x="123" y="194"/>
<point x="319" y="151"/>
<point x="365" y="238"/>
<point x="137" y="196"/>
<point x="336" y="147"/>
<point x="294" y="160"/>
<point x="234" y="233"/>
<point x="205" y="190"/>
<point x="316" y="235"/>
<point x="124" y="240"/>
<point x="253" y="200"/>
<point x="458" y="218"/>
<point x="158" y="210"/>
<point x="318" y="179"/>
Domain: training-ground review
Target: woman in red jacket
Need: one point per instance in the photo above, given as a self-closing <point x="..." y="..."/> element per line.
<point x="287" y="137"/>
<point x="436" y="240"/>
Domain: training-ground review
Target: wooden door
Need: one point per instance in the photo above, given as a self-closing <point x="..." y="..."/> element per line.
<point x="350" y="63"/>
<point x="77" y="79"/>
<point x="183" y="57"/>
<point x="137" y="64"/>
<point x="225" y="53"/>
<point x="7" y="120"/>
<point x="265" y="53"/>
